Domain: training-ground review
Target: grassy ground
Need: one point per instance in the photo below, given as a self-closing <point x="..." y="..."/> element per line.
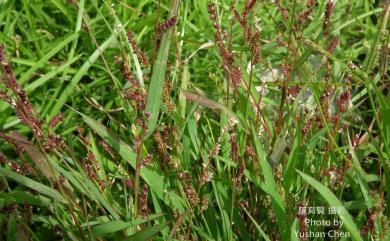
<point x="194" y="120"/>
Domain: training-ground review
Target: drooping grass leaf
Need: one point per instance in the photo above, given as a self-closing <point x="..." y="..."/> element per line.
<point x="146" y="234"/>
<point x="80" y="73"/>
<point x="154" y="179"/>
<point x="117" y="225"/>
<point x="45" y="58"/>
<point x="333" y="201"/>
<point x="270" y="185"/>
<point x="39" y="187"/>
<point x="158" y="75"/>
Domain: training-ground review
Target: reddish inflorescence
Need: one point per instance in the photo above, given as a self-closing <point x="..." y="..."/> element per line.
<point x="107" y="148"/>
<point x="141" y="55"/>
<point x="243" y="18"/>
<point x="53" y="142"/>
<point x="192" y="196"/>
<point x="129" y="183"/>
<point x="333" y="44"/>
<point x="343" y="101"/>
<point x="162" y="27"/>
<point x="135" y="92"/>
<point x="56" y="119"/>
<point x="254" y="47"/>
<point x="170" y="22"/>
<point x="239" y="174"/>
<point x="145" y="161"/>
<point x="23" y="108"/>
<point x="231" y="69"/>
<point x="302" y="216"/>
<point x="328" y="14"/>
<point x="233" y="142"/>
<point x="144" y="201"/>
<point x="3" y="158"/>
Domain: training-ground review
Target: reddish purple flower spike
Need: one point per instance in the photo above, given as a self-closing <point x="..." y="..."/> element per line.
<point x="53" y="142"/>
<point x="310" y="3"/>
<point x="3" y="158"/>
<point x="254" y="47"/>
<point x="232" y="71"/>
<point x="141" y="55"/>
<point x="21" y="104"/>
<point x="107" y="148"/>
<point x="328" y="14"/>
<point x="236" y="76"/>
<point x="144" y="201"/>
<point x="329" y="9"/>
<point x="192" y="196"/>
<point x="5" y="97"/>
<point x="239" y="174"/>
<point x="343" y="101"/>
<point x="56" y="119"/>
<point x="211" y="10"/>
<point x="130" y="184"/>
<point x="250" y="5"/>
<point x="2" y="47"/>
<point x="355" y="141"/>
<point x="306" y="128"/>
<point x="233" y="142"/>
<point x="16" y="167"/>
<point x="146" y="161"/>
<point x="333" y="44"/>
<point x="294" y="90"/>
<point x="102" y="184"/>
<point x="170" y="22"/>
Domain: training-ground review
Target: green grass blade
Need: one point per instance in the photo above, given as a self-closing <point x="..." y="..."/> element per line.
<point x="45" y="78"/>
<point x="80" y="73"/>
<point x="334" y="202"/>
<point x="117" y="225"/>
<point x="158" y="76"/>
<point x="11" y="228"/>
<point x="21" y="198"/>
<point x="261" y="231"/>
<point x="25" y="181"/>
<point x="370" y="61"/>
<point x="155" y="180"/>
<point x="270" y="185"/>
<point x="46" y="57"/>
<point x="146" y="234"/>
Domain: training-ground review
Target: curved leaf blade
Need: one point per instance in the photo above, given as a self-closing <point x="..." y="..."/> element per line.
<point x="335" y="202"/>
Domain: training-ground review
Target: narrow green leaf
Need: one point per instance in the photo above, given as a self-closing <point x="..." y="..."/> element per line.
<point x="204" y="101"/>
<point x="22" y="197"/>
<point x="295" y="230"/>
<point x="224" y="202"/>
<point x="45" y="58"/>
<point x="295" y="159"/>
<point x="372" y="56"/>
<point x="349" y="225"/>
<point x="11" y="227"/>
<point x="45" y="78"/>
<point x="117" y="225"/>
<point x="159" y="71"/>
<point x="261" y="231"/>
<point x="48" y="191"/>
<point x="80" y="73"/>
<point x="147" y="233"/>
<point x="155" y="180"/>
<point x="270" y="185"/>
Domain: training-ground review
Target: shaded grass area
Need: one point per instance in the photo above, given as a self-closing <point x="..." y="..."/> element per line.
<point x="194" y="120"/>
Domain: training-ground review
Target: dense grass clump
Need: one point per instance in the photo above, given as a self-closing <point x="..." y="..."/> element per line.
<point x="194" y="120"/>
